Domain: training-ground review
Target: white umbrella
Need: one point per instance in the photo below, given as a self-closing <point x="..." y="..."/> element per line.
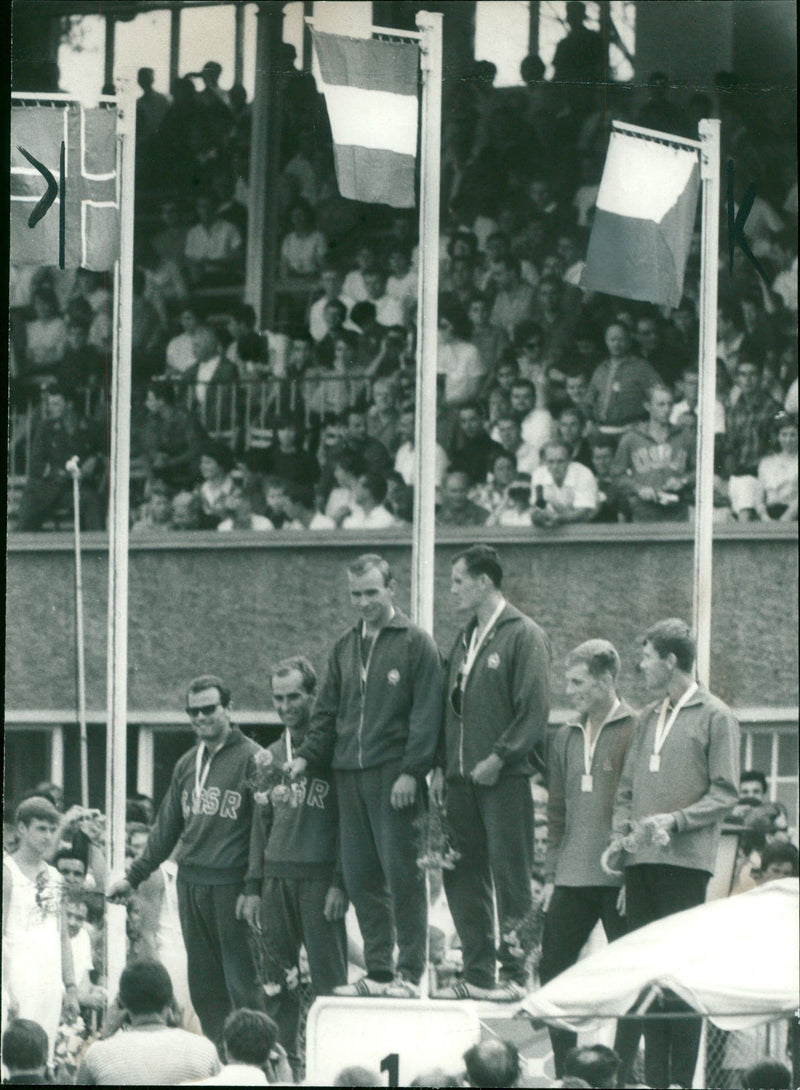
<point x="735" y="960"/>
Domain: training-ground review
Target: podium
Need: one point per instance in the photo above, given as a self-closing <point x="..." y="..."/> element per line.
<point x="401" y="1038"/>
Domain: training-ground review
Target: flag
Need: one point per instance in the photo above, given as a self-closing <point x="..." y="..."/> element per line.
<point x="371" y="90"/>
<point x="64" y="206"/>
<point x="643" y="222"/>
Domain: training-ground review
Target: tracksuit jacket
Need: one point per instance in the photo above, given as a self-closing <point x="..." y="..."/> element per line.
<point x="214" y="832"/>
<point x="395" y="718"/>
<point x="506" y="700"/>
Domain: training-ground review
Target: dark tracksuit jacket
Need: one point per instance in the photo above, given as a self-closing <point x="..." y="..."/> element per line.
<point x="504" y="710"/>
<point x="213" y="837"/>
<point x="641" y="461"/>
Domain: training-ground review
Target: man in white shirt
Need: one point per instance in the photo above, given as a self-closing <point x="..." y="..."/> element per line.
<point x="388" y="310"/>
<point x="180" y="350"/>
<point x="369" y="512"/>
<point x="212" y="245"/>
<point x="564" y="491"/>
<point x="301" y="510"/>
<point x="402" y="283"/>
<point x="330" y="280"/>
<point x="405" y="459"/>
<point x="508" y="434"/>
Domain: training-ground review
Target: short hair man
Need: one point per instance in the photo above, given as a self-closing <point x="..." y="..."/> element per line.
<point x="679" y="782"/>
<point x="71" y="867"/>
<point x="584" y="766"/>
<point x="565" y="491"/>
<point x="207" y="815"/>
<point x="493" y="1063"/>
<point x="249" y="1044"/>
<point x="25" y="1052"/>
<point x="597" y="1065"/>
<point x="619" y="385"/>
<point x="294" y="888"/>
<point x="472" y="450"/>
<point x="753" y="785"/>
<point x="147" y="1052"/>
<point x="456" y="508"/>
<point x="778" y="860"/>
<point x="498" y="698"/>
<point x="377" y="722"/>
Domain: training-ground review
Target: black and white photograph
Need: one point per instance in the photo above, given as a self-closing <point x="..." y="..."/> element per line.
<point x="401" y="658"/>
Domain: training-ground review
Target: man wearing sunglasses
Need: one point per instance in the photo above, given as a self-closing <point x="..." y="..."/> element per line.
<point x="208" y="809"/>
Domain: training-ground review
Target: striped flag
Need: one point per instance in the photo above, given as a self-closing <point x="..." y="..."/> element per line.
<point x="644" y="219"/>
<point x="64" y="207"/>
<point x="371" y="90"/>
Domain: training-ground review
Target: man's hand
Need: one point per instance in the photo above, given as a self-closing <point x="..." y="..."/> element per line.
<point x="486" y="773"/>
<point x="647" y="492"/>
<point x="662" y="821"/>
<point x="437" y="786"/>
<point x="336" y="903"/>
<point x="404" y="791"/>
<point x="248" y="908"/>
<point x="621" y="905"/>
<point x="547" y="896"/>
<point x="119" y="892"/>
<point x="71" y="1007"/>
<point x="297" y="767"/>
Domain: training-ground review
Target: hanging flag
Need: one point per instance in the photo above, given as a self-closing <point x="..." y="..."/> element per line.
<point x="644" y="219"/>
<point x="64" y="208"/>
<point x="371" y="90"/>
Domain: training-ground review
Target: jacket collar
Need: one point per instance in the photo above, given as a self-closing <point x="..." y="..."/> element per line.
<point x="624" y="711"/>
<point x="509" y="613"/>
<point x="701" y="695"/>
<point x="399" y="620"/>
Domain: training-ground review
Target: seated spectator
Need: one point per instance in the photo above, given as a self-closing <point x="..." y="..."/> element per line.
<point x="371" y="452"/>
<point x="383" y="417"/>
<point x="576" y="391"/>
<point x="286" y="459"/>
<point x="370" y="333"/>
<point x="82" y="364"/>
<point x="216" y="463"/>
<point x="516" y="509"/>
<point x="239" y="505"/>
<point x="333" y="318"/>
<point x="45" y="336"/>
<point x="508" y="432"/>
<point x="166" y="442"/>
<point x="169" y="241"/>
<point x="275" y="495"/>
<point x="572" y="431"/>
<point x="613" y="500"/>
<point x="301" y="508"/>
<point x="404" y="461"/>
<point x="24" y="1052"/>
<point x="513" y="302"/>
<point x="749" y="424"/>
<point x="492" y="494"/>
<point x="399" y="500"/>
<point x="598" y="1065"/>
<point x="654" y="463"/>
<point x="247" y="350"/>
<point x="768" y="1075"/>
<point x="619" y="386"/>
<point x="490" y="340"/>
<point x="783" y="260"/>
<point x="493" y="1062"/>
<point x="753" y="785"/>
<point x="389" y="310"/>
<point x="571" y="261"/>
<point x="652" y="348"/>
<point x="456" y="509"/>
<point x="346" y="468"/>
<point x="565" y="491"/>
<point x="460" y="283"/>
<point x="186" y="511"/>
<point x="156" y="513"/>
<point x="146" y="1050"/>
<point x="472" y="450"/>
<point x="60" y="435"/>
<point x="457" y="358"/>
<point x="556" y="311"/>
<point x="212" y="379"/>
<point x="529" y="407"/>
<point x="180" y="350"/>
<point x="528" y="340"/>
<point x="250" y="1046"/>
<point x="164" y="283"/>
<point x="354" y="286"/>
<point x="303" y="249"/>
<point x="213" y="248"/>
<point x="778" y="860"/>
<point x="777" y="475"/>
<point x="684" y="412"/>
<point x="369" y="512"/>
<point x="331" y="284"/>
<point x="730" y="334"/>
<point x="147" y="331"/>
<point x="358" y="1076"/>
<point x="390" y="361"/>
<point x="401" y="283"/>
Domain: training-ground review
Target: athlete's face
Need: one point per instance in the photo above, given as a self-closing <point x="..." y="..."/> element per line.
<point x="655" y="670"/>
<point x="585" y="692"/>
<point x="210" y="720"/>
<point x="292" y="703"/>
<point x="39" y="837"/>
<point x="467" y="591"/>
<point x="373" y="599"/>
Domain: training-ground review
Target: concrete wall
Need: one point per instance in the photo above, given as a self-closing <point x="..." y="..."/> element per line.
<point x="198" y="605"/>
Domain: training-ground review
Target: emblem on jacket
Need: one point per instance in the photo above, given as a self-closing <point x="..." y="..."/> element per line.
<point x="493" y="661"/>
<point x="393" y="677"/>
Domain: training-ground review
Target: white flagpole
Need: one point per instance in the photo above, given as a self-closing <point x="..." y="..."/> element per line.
<point x="704" y="500"/>
<point x="422" y="552"/>
<point x="119" y="476"/>
<point x="73" y="468"/>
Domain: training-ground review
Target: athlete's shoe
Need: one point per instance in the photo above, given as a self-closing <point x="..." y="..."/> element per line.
<point x="400" y="988"/>
<point x="364" y="987"/>
<point x="505" y="992"/>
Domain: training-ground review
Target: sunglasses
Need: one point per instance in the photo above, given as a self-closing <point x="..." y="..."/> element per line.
<point x="204" y="709"/>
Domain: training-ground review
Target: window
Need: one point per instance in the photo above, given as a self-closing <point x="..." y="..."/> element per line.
<point x="143" y="43"/>
<point x="502" y="31"/>
<point x="81" y="57"/>
<point x="208" y="33"/>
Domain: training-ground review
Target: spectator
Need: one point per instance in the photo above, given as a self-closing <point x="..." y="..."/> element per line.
<point x="493" y="494"/>
<point x="180" y="350"/>
<point x="597" y="1065"/>
<point x="513" y="302"/>
<point x="556" y="312"/>
<point x="246" y="347"/>
<point x="186" y="511"/>
<point x="304" y="248"/>
<point x="652" y="349"/>
<point x="45" y="336"/>
<point x="347" y="467"/>
<point x="783" y="255"/>
<point x="354" y="286"/>
<point x="613" y="502"/>
<point x="684" y="412"/>
<point x="331" y="281"/>
<point x="661" y="114"/>
<point x="528" y="345"/>
<point x="249" y="1045"/>
<point x="749" y="422"/>
<point x="213" y="380"/>
<point x="286" y="459"/>
<point x="145" y="1049"/>
<point x="516" y="508"/>
<point x="404" y="460"/>
<point x="76" y="912"/>
<point x="399" y="499"/>
<point x="166" y="442"/>
<point x="572" y="431"/>
<point x="388" y="309"/>
<point x="493" y="1062"/>
<point x="72" y="868"/>
<point x="565" y="491"/>
<point x="490" y="340"/>
<point x="369" y="512"/>
<point x="779" y="859"/>
<point x="456" y="509"/>
<point x="213" y="248"/>
<point x="156" y="513"/>
<point x="147" y="330"/>
<point x="82" y="364"/>
<point x="768" y="1075"/>
<point x="371" y="452"/>
<point x="619" y="386"/>
<point x="25" y="1052"/>
<point x="472" y="450"/>
<point x="383" y="418"/>
<point x="239" y="505"/>
<point x="753" y="785"/>
<point x="302" y="510"/>
<point x="576" y="389"/>
<point x="777" y="475"/>
<point x="402" y="281"/>
<point x="529" y="406"/>
<point x="216" y="463"/>
<point x="358" y="1076"/>
<point x="370" y="334"/>
<point x="151" y="107"/>
<point x="507" y="429"/>
<point x="457" y="358"/>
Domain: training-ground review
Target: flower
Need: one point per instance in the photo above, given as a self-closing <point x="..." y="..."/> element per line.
<point x="271" y="989"/>
<point x="261" y="798"/>
<point x="264" y="758"/>
<point x="280" y="795"/>
<point x="292" y="978"/>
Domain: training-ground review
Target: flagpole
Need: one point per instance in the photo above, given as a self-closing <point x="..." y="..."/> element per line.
<point x="422" y="551"/>
<point x="709" y="130"/>
<point x="73" y="468"/>
<point x="119" y="478"/>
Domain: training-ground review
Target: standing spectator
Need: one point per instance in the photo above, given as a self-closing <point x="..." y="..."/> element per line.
<point x="678" y="783"/>
<point x="655" y="463"/>
<point x="457" y="358"/>
<point x="330" y="281"/>
<point x="25" y="1053"/>
<point x="376" y="722"/>
<point x="402" y="282"/>
<point x="619" y="386"/>
<point x="38" y="974"/>
<point x="565" y="491"/>
<point x="652" y="349"/>
<point x="151" y="108"/>
<point x="286" y="458"/>
<point x="572" y="431"/>
<point x="777" y="475"/>
<point x="584" y="767"/>
<point x="498" y="698"/>
<point x="388" y="309"/>
<point x="490" y="340"/>
<point x="613" y="503"/>
<point x="749" y="423"/>
<point x="508" y="432"/>
<point x="213" y="380"/>
<point x="513" y="302"/>
<point x="145" y="1050"/>
<point x="295" y="890"/>
<point x="303" y="249"/>
<point x="213" y="249"/>
<point x="580" y="60"/>
<point x="208" y="809"/>
<point x="180" y="350"/>
<point x="371" y="452"/>
<point x="456" y="509"/>
<point x="383" y="418"/>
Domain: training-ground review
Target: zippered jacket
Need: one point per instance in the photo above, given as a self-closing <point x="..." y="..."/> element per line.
<point x="506" y="701"/>
<point x="214" y="830"/>
<point x="394" y="716"/>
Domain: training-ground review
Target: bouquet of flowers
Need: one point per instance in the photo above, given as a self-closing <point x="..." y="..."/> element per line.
<point x="69" y="1046"/>
<point x="272" y="785"/>
<point x="48" y="895"/>
<point x="523" y="937"/>
<point x="636" y="835"/>
<point x="435" y="848"/>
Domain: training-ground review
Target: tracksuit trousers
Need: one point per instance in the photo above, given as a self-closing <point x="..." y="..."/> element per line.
<point x="222" y="973"/>
<point x="493" y="830"/>
<point x="379" y="861"/>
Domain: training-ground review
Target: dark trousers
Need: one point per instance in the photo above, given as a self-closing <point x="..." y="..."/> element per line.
<point x="653" y="891"/>
<point x="493" y="830"/>
<point x="293" y="916"/>
<point x="379" y="860"/>
<point x="222" y="973"/>
<point x="42" y="499"/>
<point x="573" y="913"/>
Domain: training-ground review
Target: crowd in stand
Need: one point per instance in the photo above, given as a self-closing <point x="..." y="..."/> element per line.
<point x="556" y="405"/>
